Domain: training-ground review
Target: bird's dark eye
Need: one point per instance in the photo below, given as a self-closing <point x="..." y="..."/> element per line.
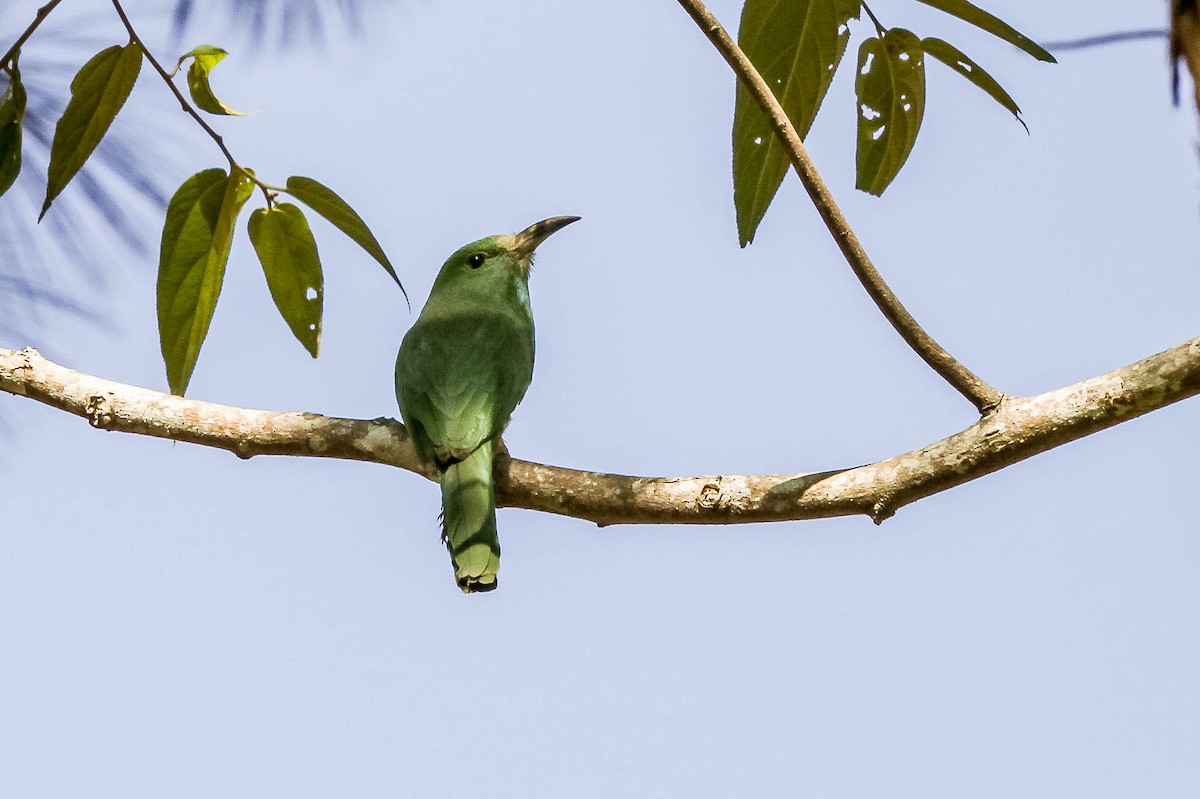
<point x="476" y="260"/>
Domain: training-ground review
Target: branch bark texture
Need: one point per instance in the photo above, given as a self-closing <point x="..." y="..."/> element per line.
<point x="1185" y="45"/>
<point x="1017" y="429"/>
<point x="983" y="396"/>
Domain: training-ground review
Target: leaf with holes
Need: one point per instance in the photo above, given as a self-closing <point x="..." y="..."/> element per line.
<point x="891" y="104"/>
<point x="796" y="46"/>
<point x="98" y="92"/>
<point x="12" y="115"/>
<point x="969" y="12"/>
<point x="958" y="61"/>
<point x="204" y="59"/>
<point x="288" y="254"/>
<point x="196" y="240"/>
<point x="338" y="212"/>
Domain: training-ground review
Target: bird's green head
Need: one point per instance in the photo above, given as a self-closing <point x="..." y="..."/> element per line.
<point x="499" y="258"/>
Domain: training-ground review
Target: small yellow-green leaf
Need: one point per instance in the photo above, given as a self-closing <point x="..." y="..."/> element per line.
<point x="196" y="239"/>
<point x="288" y="254"/>
<point x="98" y="92"/>
<point x="969" y="12"/>
<point x="338" y="212"/>
<point x="796" y="46"/>
<point x="12" y="114"/>
<point x="958" y="61"/>
<point x="204" y="59"/>
<point x="891" y="104"/>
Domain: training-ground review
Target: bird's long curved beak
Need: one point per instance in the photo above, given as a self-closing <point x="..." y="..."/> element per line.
<point x="525" y="242"/>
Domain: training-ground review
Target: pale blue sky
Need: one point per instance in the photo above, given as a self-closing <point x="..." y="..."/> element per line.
<point x="178" y="623"/>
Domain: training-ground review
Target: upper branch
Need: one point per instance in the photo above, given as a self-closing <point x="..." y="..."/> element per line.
<point x="1019" y="428"/>
<point x="982" y="395"/>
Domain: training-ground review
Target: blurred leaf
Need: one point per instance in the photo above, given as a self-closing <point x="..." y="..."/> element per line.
<point x="958" y="61"/>
<point x="204" y="59"/>
<point x="98" y="92"/>
<point x="969" y="12"/>
<point x="891" y="103"/>
<point x="12" y="114"/>
<point x="196" y="239"/>
<point x="337" y="212"/>
<point x="288" y="254"/>
<point x="796" y="45"/>
<point x="283" y="20"/>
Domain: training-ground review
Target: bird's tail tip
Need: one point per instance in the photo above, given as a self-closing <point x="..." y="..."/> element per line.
<point x="478" y="585"/>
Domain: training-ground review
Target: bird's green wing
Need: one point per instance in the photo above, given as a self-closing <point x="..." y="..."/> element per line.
<point x="458" y="380"/>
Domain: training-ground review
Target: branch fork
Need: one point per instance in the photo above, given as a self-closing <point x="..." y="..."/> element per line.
<point x="984" y="397"/>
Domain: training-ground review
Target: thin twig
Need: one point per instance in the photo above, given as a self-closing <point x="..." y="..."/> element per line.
<point x="187" y="107"/>
<point x="1019" y="428"/>
<point x="983" y="396"/>
<point x="40" y="17"/>
<point x="1105" y="39"/>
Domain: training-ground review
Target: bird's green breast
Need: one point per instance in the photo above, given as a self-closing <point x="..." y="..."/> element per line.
<point x="462" y="369"/>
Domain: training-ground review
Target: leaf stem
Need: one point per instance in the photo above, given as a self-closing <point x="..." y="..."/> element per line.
<point x="38" y="19"/>
<point x="878" y="26"/>
<point x="983" y="396"/>
<point x="183" y="102"/>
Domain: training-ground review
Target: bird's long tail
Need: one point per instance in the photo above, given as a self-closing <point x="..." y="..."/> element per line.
<point x="469" y="520"/>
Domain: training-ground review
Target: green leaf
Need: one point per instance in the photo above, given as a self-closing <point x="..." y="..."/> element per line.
<point x="337" y="212"/>
<point x="195" y="248"/>
<point x="891" y="103"/>
<point x="204" y="59"/>
<point x="288" y="254"/>
<point x="958" y="61"/>
<point x="12" y="114"/>
<point x="796" y="45"/>
<point x="97" y="93"/>
<point x="969" y="12"/>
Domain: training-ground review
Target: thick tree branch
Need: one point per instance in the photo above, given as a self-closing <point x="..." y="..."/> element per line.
<point x="982" y="395"/>
<point x="1019" y="428"/>
<point x="1185" y="45"/>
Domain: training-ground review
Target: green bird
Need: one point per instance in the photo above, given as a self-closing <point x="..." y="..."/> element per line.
<point x="462" y="368"/>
